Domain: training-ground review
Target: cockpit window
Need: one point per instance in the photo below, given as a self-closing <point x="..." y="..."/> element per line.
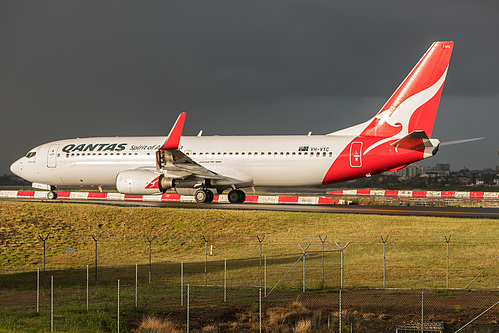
<point x="31" y="154"/>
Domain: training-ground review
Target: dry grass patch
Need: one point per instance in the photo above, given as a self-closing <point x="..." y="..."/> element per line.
<point x="157" y="325"/>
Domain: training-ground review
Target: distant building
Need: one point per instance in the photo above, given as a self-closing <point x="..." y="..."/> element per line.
<point x="412" y="170"/>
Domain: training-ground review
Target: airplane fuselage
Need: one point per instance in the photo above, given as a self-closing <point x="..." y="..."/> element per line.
<point x="399" y="134"/>
<point x="259" y="160"/>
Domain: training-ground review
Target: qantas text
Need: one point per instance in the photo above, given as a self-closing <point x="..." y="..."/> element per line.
<point x="94" y="147"/>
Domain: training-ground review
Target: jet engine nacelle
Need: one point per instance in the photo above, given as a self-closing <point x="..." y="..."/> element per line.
<point x="138" y="182"/>
<point x="165" y="183"/>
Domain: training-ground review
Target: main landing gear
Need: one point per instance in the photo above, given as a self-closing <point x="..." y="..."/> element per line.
<point x="203" y="196"/>
<point x="236" y="196"/>
<point x="206" y="196"/>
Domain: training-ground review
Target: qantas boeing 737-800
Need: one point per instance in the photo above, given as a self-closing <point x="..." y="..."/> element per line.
<point x="399" y="134"/>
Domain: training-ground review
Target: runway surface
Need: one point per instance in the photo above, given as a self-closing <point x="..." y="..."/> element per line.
<point x="462" y="212"/>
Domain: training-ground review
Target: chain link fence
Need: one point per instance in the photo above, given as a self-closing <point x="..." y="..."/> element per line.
<point x="316" y="285"/>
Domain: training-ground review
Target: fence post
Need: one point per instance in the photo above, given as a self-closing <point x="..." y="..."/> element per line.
<point x="188" y="287"/>
<point x="150" y="257"/>
<point x="87" y="288"/>
<point x="384" y="260"/>
<point x="341" y="267"/>
<point x="118" y="305"/>
<point x="339" y="313"/>
<point x="322" y="241"/>
<point x="260" y="241"/>
<point x="52" y="303"/>
<point x="38" y="290"/>
<point x="205" y="260"/>
<point x="447" y="240"/>
<point x="136" y="283"/>
<point x="265" y="275"/>
<point x="260" y="306"/>
<point x="225" y="280"/>
<point x="422" y="311"/>
<point x="181" y="283"/>
<point x="43" y="239"/>
<point x="96" y="239"/>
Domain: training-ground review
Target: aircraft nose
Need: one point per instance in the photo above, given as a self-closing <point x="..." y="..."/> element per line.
<point x="16" y="168"/>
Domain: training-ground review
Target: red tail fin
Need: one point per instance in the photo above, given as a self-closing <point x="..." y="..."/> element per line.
<point x="414" y="104"/>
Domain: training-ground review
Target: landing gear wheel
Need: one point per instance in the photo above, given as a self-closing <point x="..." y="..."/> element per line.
<point x="236" y="196"/>
<point x="52" y="195"/>
<point x="203" y="196"/>
<point x="200" y="196"/>
<point x="210" y="196"/>
<point x="243" y="196"/>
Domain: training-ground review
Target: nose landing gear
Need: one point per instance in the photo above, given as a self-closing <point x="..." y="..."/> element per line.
<point x="51" y="195"/>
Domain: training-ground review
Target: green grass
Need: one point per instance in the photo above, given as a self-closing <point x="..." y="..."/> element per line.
<point x="415" y="250"/>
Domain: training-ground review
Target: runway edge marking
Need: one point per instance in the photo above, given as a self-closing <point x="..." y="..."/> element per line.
<point x="172" y="197"/>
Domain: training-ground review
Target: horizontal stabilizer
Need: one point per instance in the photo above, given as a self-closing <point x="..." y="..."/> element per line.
<point x="413" y="141"/>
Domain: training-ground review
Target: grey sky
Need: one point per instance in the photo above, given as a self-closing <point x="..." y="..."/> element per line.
<point x="95" y="68"/>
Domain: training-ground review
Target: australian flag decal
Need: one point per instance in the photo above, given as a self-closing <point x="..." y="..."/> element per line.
<point x="303" y="148"/>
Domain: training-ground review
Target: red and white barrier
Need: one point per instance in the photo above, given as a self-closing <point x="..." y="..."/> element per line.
<point x="418" y="194"/>
<point x="171" y="197"/>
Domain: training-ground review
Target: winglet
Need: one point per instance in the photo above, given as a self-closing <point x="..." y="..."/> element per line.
<point x="175" y="134"/>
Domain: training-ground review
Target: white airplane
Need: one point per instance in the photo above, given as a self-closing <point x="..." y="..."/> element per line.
<point x="203" y="166"/>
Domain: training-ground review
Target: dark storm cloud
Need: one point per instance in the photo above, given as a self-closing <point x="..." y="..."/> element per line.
<point x="71" y="69"/>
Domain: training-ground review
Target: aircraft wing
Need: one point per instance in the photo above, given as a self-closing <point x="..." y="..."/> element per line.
<point x="180" y="165"/>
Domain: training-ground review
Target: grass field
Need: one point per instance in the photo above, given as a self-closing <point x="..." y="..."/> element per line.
<point x="415" y="250"/>
<point x="416" y="257"/>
